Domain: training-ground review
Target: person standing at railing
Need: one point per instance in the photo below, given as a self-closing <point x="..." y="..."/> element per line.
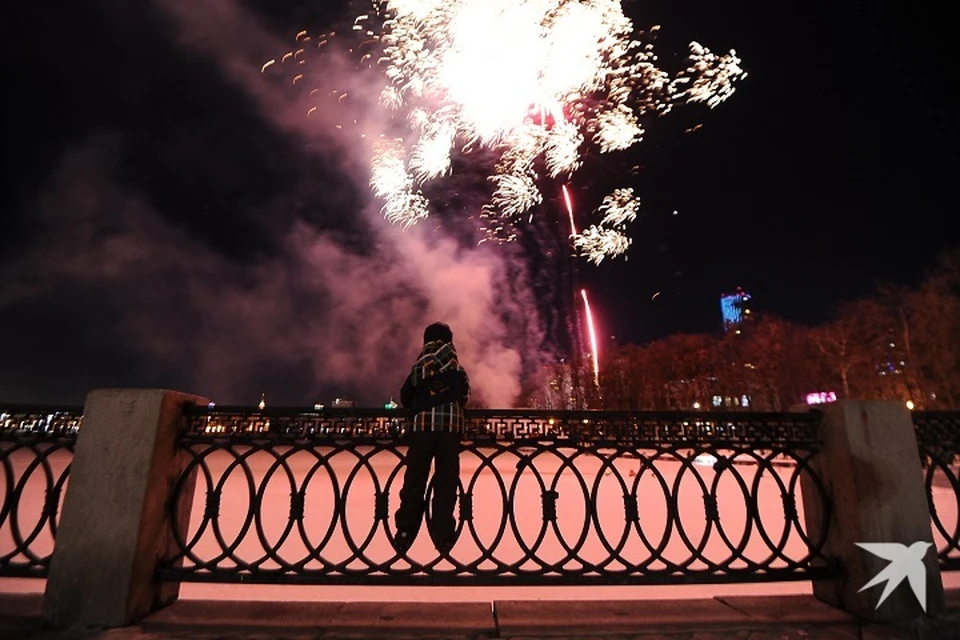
<point x="436" y="389"/>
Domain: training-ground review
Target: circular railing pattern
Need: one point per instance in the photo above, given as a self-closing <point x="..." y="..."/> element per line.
<point x="938" y="439"/>
<point x="316" y="506"/>
<point x="36" y="450"/>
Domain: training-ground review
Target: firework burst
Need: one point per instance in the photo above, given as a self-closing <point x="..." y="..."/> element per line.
<point x="541" y="84"/>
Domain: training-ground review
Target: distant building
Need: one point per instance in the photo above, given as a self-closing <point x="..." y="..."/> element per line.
<point x="734" y="309"/>
<point x="342" y="403"/>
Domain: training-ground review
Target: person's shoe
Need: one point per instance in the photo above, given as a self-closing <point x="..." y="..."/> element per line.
<point x="402" y="541"/>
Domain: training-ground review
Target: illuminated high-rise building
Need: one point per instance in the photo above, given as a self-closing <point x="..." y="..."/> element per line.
<point x="733" y="307"/>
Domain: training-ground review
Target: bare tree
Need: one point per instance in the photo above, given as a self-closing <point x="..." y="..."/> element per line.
<point x="931" y="314"/>
<point x="622" y="379"/>
<point x="847" y="345"/>
<point x="762" y="361"/>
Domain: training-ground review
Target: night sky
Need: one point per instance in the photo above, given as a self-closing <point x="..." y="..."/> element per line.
<point x="170" y="219"/>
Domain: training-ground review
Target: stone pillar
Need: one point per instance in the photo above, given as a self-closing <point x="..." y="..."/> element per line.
<point x="871" y="472"/>
<point x="115" y="525"/>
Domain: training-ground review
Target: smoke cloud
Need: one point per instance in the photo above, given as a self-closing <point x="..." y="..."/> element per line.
<point x="319" y="314"/>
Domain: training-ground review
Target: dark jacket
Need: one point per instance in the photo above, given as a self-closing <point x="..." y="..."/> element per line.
<point x="437" y="389"/>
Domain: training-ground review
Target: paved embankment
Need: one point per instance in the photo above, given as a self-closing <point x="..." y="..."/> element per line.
<point x="721" y="618"/>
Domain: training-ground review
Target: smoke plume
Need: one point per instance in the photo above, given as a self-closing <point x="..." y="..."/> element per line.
<point x="316" y="310"/>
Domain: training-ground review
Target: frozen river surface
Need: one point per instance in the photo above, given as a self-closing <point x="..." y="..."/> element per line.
<point x="592" y="524"/>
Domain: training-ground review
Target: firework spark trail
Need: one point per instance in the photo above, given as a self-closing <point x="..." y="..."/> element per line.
<point x="593" y="339"/>
<point x="569" y="203"/>
<point x="543" y="84"/>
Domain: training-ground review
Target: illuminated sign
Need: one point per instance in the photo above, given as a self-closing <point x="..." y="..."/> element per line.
<point x="821" y="397"/>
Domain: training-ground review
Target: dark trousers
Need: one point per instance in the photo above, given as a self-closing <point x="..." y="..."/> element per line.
<point x="443" y="449"/>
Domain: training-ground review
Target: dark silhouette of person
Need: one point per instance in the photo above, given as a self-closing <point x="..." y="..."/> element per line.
<point x="436" y="391"/>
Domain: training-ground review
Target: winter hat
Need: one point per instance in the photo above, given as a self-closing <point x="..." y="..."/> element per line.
<point x="437" y="331"/>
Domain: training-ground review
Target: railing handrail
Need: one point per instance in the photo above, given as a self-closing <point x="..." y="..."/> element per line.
<point x="359" y="425"/>
<point x="375" y="412"/>
<point x="40" y="408"/>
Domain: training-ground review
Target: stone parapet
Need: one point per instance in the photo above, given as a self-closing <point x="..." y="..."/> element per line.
<point x="115" y="523"/>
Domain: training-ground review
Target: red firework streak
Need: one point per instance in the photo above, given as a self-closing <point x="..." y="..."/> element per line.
<point x="566" y="198"/>
<point x="593" y="338"/>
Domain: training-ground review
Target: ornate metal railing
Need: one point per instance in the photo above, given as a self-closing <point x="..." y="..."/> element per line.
<point x="938" y="437"/>
<point x="299" y="496"/>
<point x="36" y="449"/>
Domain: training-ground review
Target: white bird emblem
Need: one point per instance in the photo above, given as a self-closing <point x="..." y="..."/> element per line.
<point x="905" y="562"/>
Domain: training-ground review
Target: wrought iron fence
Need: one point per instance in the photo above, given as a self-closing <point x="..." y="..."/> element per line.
<point x="36" y="449"/>
<point x="938" y="438"/>
<point x="297" y="496"/>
